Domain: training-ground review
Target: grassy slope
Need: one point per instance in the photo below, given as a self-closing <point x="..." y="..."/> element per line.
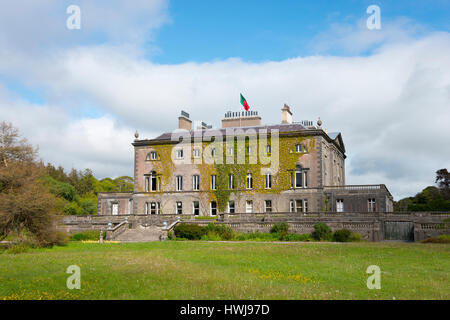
<point x="206" y="270"/>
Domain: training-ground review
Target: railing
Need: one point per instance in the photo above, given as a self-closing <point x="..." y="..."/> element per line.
<point x="358" y="187"/>
<point x="114" y="232"/>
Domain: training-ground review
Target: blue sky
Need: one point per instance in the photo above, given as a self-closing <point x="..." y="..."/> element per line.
<point x="81" y="94"/>
<point x="266" y="30"/>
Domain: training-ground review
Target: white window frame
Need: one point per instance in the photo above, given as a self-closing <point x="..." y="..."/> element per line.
<point x="231" y="181"/>
<point x="157" y="207"/>
<point x="176" y="207"/>
<point x="248" y="206"/>
<point x="213" y="152"/>
<point x="196" y="153"/>
<point x="193" y="208"/>
<point x="180" y="153"/>
<point x="211" y="209"/>
<point x="213" y="182"/>
<point x="230" y="151"/>
<point x="298" y="148"/>
<point x="371" y="205"/>
<point x="249" y="180"/>
<point x="115" y="209"/>
<point x="229" y="207"/>
<point x="179" y="183"/>
<point x="339" y="205"/>
<point x="265" y="205"/>
<point x="196" y="182"/>
<point x="268" y="181"/>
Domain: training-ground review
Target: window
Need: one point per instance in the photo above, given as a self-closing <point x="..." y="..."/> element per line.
<point x="152" y="182"/>
<point x="130" y="206"/>
<point x="249" y="150"/>
<point x="267" y="205"/>
<point x="298" y="147"/>
<point x="179" y="207"/>
<point x="196" y="182"/>
<point x="180" y="154"/>
<point x="231" y="208"/>
<point x="196" y="208"/>
<point x="231" y="181"/>
<point x="179" y="183"/>
<point x="268" y="181"/>
<point x="152" y="155"/>
<point x="249" y="181"/>
<point x="339" y="205"/>
<point x="371" y="205"/>
<point x="213" y="152"/>
<point x="249" y="206"/>
<point x="268" y="149"/>
<point x="230" y="151"/>
<point x="155" y="208"/>
<point x="196" y="153"/>
<point x="299" y="178"/>
<point x="213" y="208"/>
<point x="213" y="182"/>
<point x="115" y="209"/>
<point x="298" y="205"/>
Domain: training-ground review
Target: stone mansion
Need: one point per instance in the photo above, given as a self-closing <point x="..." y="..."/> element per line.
<point x="243" y="167"/>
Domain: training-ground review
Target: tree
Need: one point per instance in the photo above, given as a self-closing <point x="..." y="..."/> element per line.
<point x="27" y="207"/>
<point x="443" y="181"/>
<point x="12" y="148"/>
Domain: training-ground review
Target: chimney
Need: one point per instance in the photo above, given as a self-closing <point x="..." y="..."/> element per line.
<point x="184" y="122"/>
<point x="286" y="114"/>
<point x="241" y="119"/>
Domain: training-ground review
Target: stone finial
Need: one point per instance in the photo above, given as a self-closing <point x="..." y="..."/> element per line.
<point x="319" y="123"/>
<point x="136" y="134"/>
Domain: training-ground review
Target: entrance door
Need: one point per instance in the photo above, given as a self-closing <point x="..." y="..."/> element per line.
<point x="399" y="230"/>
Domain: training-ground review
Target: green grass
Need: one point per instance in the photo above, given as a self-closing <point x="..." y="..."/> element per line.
<point x="228" y="270"/>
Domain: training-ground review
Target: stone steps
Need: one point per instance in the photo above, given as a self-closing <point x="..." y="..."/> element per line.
<point x="140" y="234"/>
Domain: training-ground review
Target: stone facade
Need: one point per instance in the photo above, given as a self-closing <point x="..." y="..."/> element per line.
<point x="306" y="154"/>
<point x="372" y="226"/>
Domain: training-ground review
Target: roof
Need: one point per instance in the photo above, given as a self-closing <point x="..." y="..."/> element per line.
<point x="286" y="129"/>
<point x="223" y="131"/>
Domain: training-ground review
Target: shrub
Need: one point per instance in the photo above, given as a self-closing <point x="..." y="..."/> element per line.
<point x="342" y="235"/>
<point x="297" y="237"/>
<point x="322" y="232"/>
<point x="20" y="247"/>
<point x="223" y="231"/>
<point x="258" y="236"/>
<point x="189" y="231"/>
<point x="170" y="235"/>
<point x="443" y="238"/>
<point x="355" y="237"/>
<point x="281" y="228"/>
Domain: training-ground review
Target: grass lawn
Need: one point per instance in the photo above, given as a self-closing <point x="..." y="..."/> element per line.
<point x="228" y="270"/>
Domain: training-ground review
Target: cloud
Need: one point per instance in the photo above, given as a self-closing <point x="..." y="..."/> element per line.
<point x="100" y="144"/>
<point x="391" y="105"/>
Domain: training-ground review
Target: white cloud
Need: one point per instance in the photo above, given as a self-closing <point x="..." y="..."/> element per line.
<point x="392" y="106"/>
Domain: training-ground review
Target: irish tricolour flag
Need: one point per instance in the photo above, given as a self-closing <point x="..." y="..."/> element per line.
<point x="244" y="103"/>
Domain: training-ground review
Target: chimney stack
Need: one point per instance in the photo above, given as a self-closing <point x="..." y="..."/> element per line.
<point x="286" y="114"/>
<point x="184" y="122"/>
